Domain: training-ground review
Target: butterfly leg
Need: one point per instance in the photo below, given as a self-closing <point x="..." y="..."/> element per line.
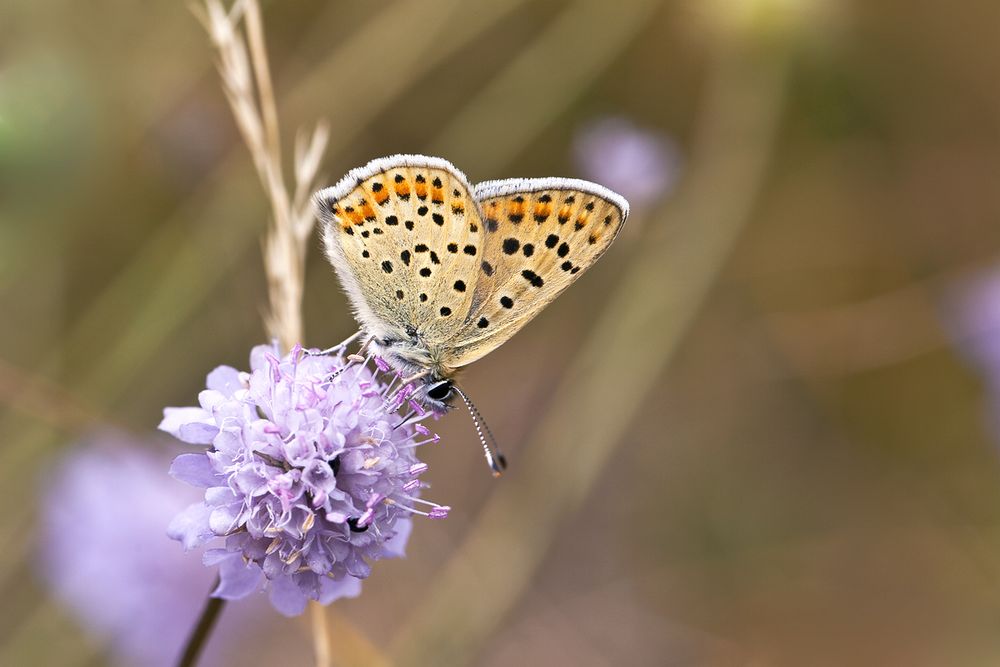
<point x="352" y="359"/>
<point x="415" y="376"/>
<point x="339" y="346"/>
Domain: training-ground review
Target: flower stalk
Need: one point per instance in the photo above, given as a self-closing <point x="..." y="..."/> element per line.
<point x="203" y="628"/>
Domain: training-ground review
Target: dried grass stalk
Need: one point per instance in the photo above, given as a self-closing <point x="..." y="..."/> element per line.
<point x="238" y="37"/>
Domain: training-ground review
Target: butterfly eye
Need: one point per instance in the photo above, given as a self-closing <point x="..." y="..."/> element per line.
<point x="439" y="391"/>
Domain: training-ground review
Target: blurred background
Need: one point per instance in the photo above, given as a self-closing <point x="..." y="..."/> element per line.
<point x="763" y="430"/>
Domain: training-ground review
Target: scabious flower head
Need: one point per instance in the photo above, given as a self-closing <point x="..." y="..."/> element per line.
<point x="642" y="165"/>
<point x="308" y="475"/>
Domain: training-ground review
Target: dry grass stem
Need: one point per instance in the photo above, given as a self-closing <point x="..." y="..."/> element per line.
<point x="321" y="634"/>
<point x="238" y="37"/>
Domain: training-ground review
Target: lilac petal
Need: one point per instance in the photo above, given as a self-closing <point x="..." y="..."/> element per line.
<point x="174" y="418"/>
<point x="237" y="579"/>
<point x="220" y="495"/>
<point x="251" y="480"/>
<point x="395" y="547"/>
<point x="286" y="596"/>
<point x="224" y="379"/>
<point x="213" y="557"/>
<point x="229" y="440"/>
<point x="195" y="469"/>
<point x="224" y="519"/>
<point x="259" y="355"/>
<point x="334" y="589"/>
<point x="190" y="527"/>
<point x="210" y="400"/>
<point x="197" y="433"/>
<point x="357" y="566"/>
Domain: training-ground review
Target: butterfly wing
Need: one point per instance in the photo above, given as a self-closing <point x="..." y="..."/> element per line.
<point x="405" y="237"/>
<point x="540" y="236"/>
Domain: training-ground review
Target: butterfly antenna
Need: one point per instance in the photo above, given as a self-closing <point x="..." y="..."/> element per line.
<point x="494" y="457"/>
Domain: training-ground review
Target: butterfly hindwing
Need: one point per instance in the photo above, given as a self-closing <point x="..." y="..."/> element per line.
<point x="541" y="235"/>
<point x="405" y="237"/>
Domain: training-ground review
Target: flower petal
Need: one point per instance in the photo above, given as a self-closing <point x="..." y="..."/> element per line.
<point x="237" y="579"/>
<point x="259" y="355"/>
<point x="197" y="433"/>
<point x="334" y="589"/>
<point x="213" y="557"/>
<point x="224" y="379"/>
<point x="190" y="527"/>
<point x="286" y="596"/>
<point x="210" y="399"/>
<point x="395" y="547"/>
<point x="194" y="469"/>
<point x="223" y="519"/>
<point x="174" y="418"/>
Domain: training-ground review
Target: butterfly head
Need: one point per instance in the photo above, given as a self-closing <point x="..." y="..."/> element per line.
<point x="438" y="393"/>
<point x="432" y="382"/>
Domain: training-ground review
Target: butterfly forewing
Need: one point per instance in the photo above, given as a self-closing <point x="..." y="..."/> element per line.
<point x="405" y="236"/>
<point x="541" y="235"/>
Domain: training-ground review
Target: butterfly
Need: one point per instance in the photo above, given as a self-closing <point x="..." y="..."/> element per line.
<point x="440" y="273"/>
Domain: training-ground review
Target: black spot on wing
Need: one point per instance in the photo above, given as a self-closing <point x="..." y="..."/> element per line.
<point x="532" y="277"/>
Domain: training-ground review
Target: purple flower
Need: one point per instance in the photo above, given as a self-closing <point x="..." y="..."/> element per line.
<point x="308" y="476"/>
<point x="972" y="320"/>
<point x="104" y="554"/>
<point x="641" y="165"/>
<point x="975" y="322"/>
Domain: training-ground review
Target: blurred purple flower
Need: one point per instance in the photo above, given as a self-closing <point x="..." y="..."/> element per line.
<point x="975" y="322"/>
<point x="972" y="319"/>
<point x="104" y="553"/>
<point x="307" y="480"/>
<point x="641" y="165"/>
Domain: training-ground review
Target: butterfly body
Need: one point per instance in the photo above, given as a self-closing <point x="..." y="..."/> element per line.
<point x="440" y="273"/>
